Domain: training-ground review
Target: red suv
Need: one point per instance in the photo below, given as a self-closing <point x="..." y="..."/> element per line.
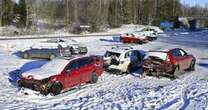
<point x="168" y="62"/>
<point x="60" y="75"/>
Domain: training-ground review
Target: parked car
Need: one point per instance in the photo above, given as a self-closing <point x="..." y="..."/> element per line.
<point x="123" y="59"/>
<point x="48" y="52"/>
<point x="133" y="38"/>
<point x="150" y="33"/>
<point x="76" y="48"/>
<point x="53" y="48"/>
<point x="168" y="62"/>
<point x="60" y="75"/>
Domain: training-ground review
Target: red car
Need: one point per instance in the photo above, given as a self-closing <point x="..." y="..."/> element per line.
<point x="60" y="75"/>
<point x="133" y="38"/>
<point x="168" y="62"/>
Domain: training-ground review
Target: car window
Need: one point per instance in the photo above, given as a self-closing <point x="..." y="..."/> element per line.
<point x="183" y="53"/>
<point x="84" y="62"/>
<point x="176" y="53"/>
<point x="72" y="65"/>
<point x="108" y="54"/>
<point x="128" y="54"/>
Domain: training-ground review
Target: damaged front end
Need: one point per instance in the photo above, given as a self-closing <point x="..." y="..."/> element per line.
<point x="43" y="86"/>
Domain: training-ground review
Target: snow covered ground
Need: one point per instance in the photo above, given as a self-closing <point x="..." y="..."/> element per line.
<point x="113" y="91"/>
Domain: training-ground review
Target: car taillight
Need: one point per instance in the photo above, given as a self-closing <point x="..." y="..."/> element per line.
<point x="168" y="59"/>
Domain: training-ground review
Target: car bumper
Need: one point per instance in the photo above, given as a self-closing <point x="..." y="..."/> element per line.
<point x="117" y="68"/>
<point x="35" y="85"/>
<point x="151" y="68"/>
<point x="29" y="83"/>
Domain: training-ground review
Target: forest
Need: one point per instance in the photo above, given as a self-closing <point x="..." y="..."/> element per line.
<point x="97" y="14"/>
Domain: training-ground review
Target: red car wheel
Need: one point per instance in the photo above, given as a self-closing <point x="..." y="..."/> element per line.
<point x="56" y="88"/>
<point x="94" y="78"/>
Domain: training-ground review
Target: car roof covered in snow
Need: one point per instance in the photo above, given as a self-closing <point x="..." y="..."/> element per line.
<point x="164" y="50"/>
<point x="51" y="68"/>
<point x="121" y="49"/>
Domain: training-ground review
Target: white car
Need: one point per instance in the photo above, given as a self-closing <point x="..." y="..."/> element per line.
<point x="122" y="59"/>
<point x="150" y="33"/>
<point x="77" y="48"/>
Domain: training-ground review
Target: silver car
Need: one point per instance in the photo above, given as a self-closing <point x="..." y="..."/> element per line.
<point x="47" y="53"/>
<point x="52" y="48"/>
<point x="76" y="48"/>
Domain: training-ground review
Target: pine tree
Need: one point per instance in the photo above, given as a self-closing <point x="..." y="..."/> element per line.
<point x="20" y="11"/>
<point x="6" y="12"/>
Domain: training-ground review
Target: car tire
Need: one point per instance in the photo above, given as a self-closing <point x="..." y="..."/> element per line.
<point x="150" y="38"/>
<point x="129" y="69"/>
<point x="71" y="49"/>
<point x="19" y="83"/>
<point x="122" y="41"/>
<point x="52" y="56"/>
<point x="26" y="55"/>
<point x="56" y="88"/>
<point x="176" y="71"/>
<point x="192" y="66"/>
<point x="155" y="38"/>
<point x="140" y="42"/>
<point x="94" y="78"/>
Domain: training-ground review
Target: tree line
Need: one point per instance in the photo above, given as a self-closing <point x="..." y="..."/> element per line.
<point x="97" y="14"/>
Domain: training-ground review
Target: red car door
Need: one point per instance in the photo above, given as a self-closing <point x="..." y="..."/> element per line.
<point x="72" y="75"/>
<point x="187" y="59"/>
<point x="86" y="66"/>
<point x="179" y="59"/>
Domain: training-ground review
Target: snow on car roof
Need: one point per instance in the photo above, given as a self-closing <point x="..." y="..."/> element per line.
<point x="53" y="67"/>
<point x="120" y="49"/>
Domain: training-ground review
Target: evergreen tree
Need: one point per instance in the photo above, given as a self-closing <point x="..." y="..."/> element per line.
<point x="6" y="12"/>
<point x="20" y="11"/>
<point x="114" y="13"/>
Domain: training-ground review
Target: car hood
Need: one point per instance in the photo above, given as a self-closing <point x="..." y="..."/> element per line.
<point x="52" y="68"/>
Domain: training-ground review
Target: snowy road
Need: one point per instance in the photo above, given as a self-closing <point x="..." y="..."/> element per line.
<point x="119" y="92"/>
